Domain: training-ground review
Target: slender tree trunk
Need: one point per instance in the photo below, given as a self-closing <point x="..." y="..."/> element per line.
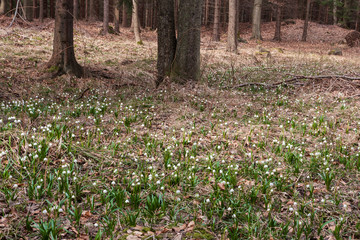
<point x="34" y="9"/>
<point x="63" y="58"/>
<point x="41" y="12"/>
<point x="232" y="27"/>
<point x="335" y="12"/>
<point x="277" y="36"/>
<point x="166" y="38"/>
<point x="28" y="10"/>
<point x="106" y="17"/>
<point x="52" y="8"/>
<point x="207" y="8"/>
<point x="216" y="29"/>
<point x="357" y="23"/>
<point x="256" y="20"/>
<point x="306" y="22"/>
<point x="93" y="14"/>
<point x="117" y="17"/>
<point x="135" y="22"/>
<point x="3" y="7"/>
<point x="76" y="9"/>
<point x="186" y="66"/>
<point x="86" y="10"/>
<point x="124" y="16"/>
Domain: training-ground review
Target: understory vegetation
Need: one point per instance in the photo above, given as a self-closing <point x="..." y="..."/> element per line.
<point x="110" y="157"/>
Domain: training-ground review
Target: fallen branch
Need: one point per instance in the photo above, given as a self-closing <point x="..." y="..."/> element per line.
<point x="295" y="79"/>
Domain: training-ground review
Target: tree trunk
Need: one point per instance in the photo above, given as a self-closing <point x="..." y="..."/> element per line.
<point x="256" y="20"/>
<point x="186" y="65"/>
<point x="76" y="9"/>
<point x="117" y="17"/>
<point x="232" y="27"/>
<point x="207" y="8"/>
<point x="277" y="36"/>
<point x="306" y="22"/>
<point x="357" y="23"/>
<point x="93" y="15"/>
<point x="166" y="38"/>
<point x="106" y="17"/>
<point x="63" y="58"/>
<point x="41" y="12"/>
<point x="124" y="16"/>
<point x="216" y="29"/>
<point x="34" y="9"/>
<point x="52" y="8"/>
<point x="135" y="22"/>
<point x="3" y="7"/>
<point x="335" y="12"/>
<point x="86" y="10"/>
<point x="28" y="10"/>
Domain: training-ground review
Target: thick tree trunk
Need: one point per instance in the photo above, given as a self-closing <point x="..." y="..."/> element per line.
<point x="117" y="17"/>
<point x="28" y="10"/>
<point x="216" y="29"/>
<point x="306" y="22"/>
<point x="277" y="36"/>
<point x="232" y="27"/>
<point x="76" y="9"/>
<point x="52" y="8"/>
<point x="166" y="38"/>
<point x="106" y="17"/>
<point x="135" y="22"/>
<point x="186" y="66"/>
<point x="63" y="58"/>
<point x="3" y="7"/>
<point x="256" y="20"/>
<point x="41" y="12"/>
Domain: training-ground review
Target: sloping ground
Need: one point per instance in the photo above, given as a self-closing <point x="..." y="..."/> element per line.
<point x="317" y="33"/>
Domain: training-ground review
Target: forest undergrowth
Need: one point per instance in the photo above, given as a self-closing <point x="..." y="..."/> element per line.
<point x="234" y="156"/>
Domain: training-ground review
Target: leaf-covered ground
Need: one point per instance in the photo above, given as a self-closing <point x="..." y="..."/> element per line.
<point x="108" y="156"/>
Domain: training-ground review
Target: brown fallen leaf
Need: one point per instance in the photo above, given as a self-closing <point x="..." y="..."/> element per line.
<point x="179" y="229"/>
<point x="221" y="186"/>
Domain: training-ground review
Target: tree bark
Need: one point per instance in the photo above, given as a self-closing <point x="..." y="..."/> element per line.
<point x="86" y="10"/>
<point x="135" y="22"/>
<point x="277" y="36"/>
<point x="216" y="29"/>
<point x="256" y="20"/>
<point x="117" y="17"/>
<point x="3" y="7"/>
<point x="207" y="8"/>
<point x="186" y="66"/>
<point x="124" y="16"/>
<point x="76" y="9"/>
<point x="106" y="17"/>
<point x="34" y="9"/>
<point x="28" y="10"/>
<point x="335" y="12"/>
<point x="63" y="57"/>
<point x="41" y="12"/>
<point x="52" y="8"/>
<point x="232" y="27"/>
<point x="306" y="22"/>
<point x="166" y="38"/>
<point x="93" y="14"/>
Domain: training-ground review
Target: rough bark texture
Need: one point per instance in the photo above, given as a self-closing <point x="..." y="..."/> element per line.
<point x="117" y="17"/>
<point x="3" y="7"/>
<point x="135" y="22"/>
<point x="106" y="17"/>
<point x="166" y="38"/>
<point x="63" y="58"/>
<point x="28" y="10"/>
<point x="41" y="12"/>
<point x="277" y="36"/>
<point x="232" y="27"/>
<point x="216" y="28"/>
<point x="76" y="9"/>
<point x="306" y="22"/>
<point x="186" y="66"/>
<point x="256" y="20"/>
<point x="207" y="9"/>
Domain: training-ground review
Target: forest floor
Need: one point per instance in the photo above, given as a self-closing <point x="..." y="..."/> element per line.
<point x="258" y="149"/>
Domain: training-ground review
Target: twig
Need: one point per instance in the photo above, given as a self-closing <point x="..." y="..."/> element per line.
<point x="82" y="94"/>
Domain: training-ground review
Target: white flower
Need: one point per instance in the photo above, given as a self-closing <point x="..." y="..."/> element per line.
<point x="113" y="183"/>
<point x="44" y="211"/>
<point x="207" y="200"/>
<point x="96" y="225"/>
<point x="105" y="191"/>
<point x="229" y="209"/>
<point x="127" y="201"/>
<point x="291" y="209"/>
<point x="177" y="191"/>
<point x="15" y="186"/>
